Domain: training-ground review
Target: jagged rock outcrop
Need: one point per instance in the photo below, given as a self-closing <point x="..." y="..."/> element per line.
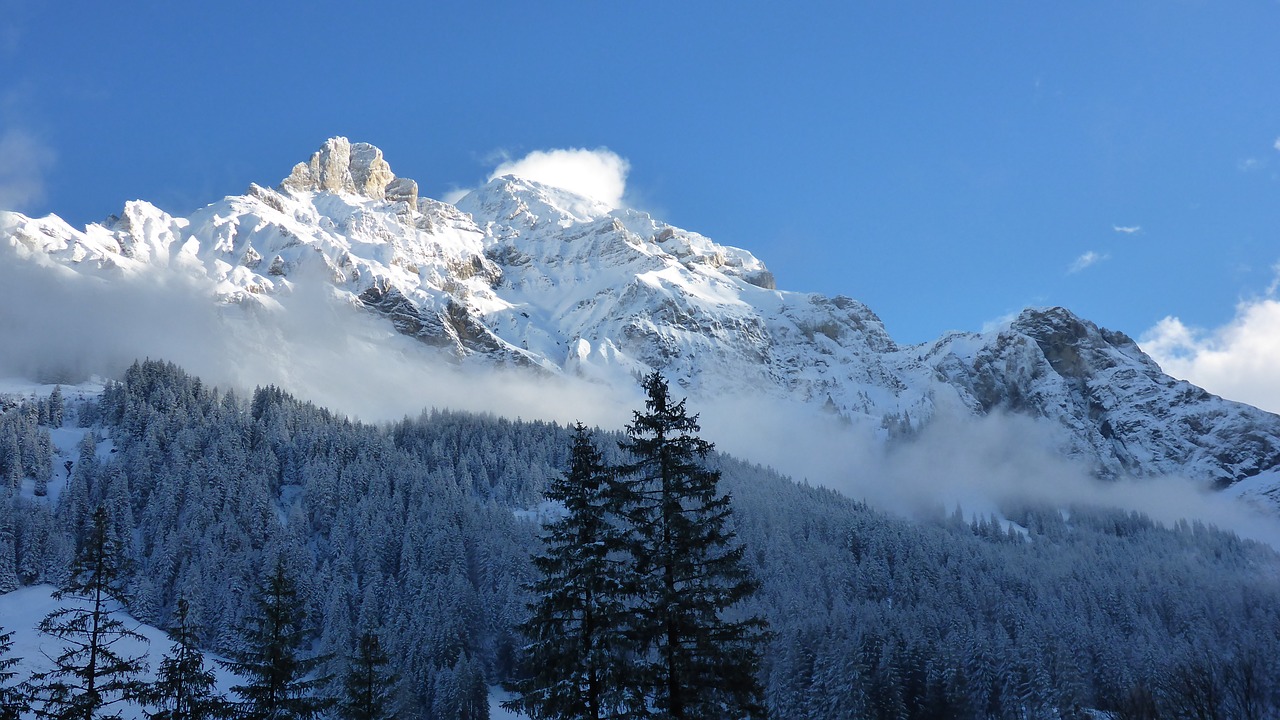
<point x="340" y="166"/>
<point x="1116" y="405"/>
<point x="518" y="273"/>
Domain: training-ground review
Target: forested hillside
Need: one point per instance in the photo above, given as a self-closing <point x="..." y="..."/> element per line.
<point x="420" y="533"/>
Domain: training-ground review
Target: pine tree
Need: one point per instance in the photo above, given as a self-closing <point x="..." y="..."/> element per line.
<point x="367" y="683"/>
<point x="185" y="688"/>
<point x="572" y="664"/>
<point x="689" y="570"/>
<point x="8" y="554"/>
<point x="91" y="673"/>
<point x="57" y="407"/>
<point x="12" y="700"/>
<point x="277" y="686"/>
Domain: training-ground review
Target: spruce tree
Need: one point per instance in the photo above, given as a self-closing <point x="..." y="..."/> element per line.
<point x="688" y="570"/>
<point x="13" y="701"/>
<point x="8" y="553"/>
<point x="185" y="688"/>
<point x="572" y="665"/>
<point x="277" y="685"/>
<point x="91" y="673"/>
<point x="368" y="683"/>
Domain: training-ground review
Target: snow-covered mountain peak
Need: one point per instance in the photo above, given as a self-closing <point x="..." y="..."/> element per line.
<point x="516" y="203"/>
<point x="358" y="168"/>
<point x="523" y="273"/>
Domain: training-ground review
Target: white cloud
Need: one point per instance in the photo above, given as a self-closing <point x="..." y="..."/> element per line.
<point x="1276" y="144"/>
<point x="1127" y="229"/>
<point x="600" y="174"/>
<point x="1237" y="361"/>
<point x="1250" y="164"/>
<point x="454" y="193"/>
<point x="24" y="160"/>
<point x="1086" y="260"/>
<point x="66" y="327"/>
<point x="992" y="462"/>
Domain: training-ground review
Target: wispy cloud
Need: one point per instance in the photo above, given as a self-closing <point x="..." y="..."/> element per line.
<point x="1127" y="229"/>
<point x="1237" y="360"/>
<point x="24" y="160"/>
<point x="600" y="174"/>
<point x="1086" y="260"/>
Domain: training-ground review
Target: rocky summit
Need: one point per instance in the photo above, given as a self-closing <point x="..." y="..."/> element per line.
<point x="526" y="275"/>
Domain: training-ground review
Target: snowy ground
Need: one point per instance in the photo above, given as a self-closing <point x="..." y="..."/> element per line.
<point x="496" y="696"/>
<point x="22" y="610"/>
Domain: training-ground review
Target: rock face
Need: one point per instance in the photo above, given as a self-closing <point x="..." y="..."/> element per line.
<point x="522" y="274"/>
<point x="339" y="166"/>
<point x="1118" y="408"/>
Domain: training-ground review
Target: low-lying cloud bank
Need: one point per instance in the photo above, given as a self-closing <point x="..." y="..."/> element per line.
<point x="981" y="464"/>
<point x="57" y="326"/>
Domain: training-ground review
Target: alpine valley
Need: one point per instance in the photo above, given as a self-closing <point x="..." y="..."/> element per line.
<point x="419" y="529"/>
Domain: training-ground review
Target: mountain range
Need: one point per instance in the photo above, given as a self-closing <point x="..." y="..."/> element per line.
<point x="527" y="276"/>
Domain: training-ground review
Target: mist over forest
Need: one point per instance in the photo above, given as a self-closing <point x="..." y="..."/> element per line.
<point x="420" y="530"/>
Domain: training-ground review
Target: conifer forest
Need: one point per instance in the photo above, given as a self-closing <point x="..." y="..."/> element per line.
<point x="407" y="570"/>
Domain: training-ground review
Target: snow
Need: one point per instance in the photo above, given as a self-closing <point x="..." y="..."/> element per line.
<point x="21" y="612"/>
<point x="523" y="274"/>
<point x="496" y="712"/>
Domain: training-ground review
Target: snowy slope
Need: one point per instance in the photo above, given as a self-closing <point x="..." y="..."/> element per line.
<point x="21" y="612"/>
<point x="519" y="274"/>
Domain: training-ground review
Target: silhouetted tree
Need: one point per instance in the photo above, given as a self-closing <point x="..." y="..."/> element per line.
<point x="573" y="666"/>
<point x="368" y="682"/>
<point x="92" y="672"/>
<point x="688" y="570"/>
<point x="277" y="686"/>
<point x="13" y="702"/>
<point x="185" y="688"/>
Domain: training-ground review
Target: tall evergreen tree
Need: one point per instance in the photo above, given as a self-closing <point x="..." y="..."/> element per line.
<point x="277" y="685"/>
<point x="185" y="687"/>
<point x="13" y="701"/>
<point x="57" y="407"/>
<point x="368" y="682"/>
<point x="689" y="570"/>
<point x="572" y="666"/>
<point x="8" y="552"/>
<point x="91" y="673"/>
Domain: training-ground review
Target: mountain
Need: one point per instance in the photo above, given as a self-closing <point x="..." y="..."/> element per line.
<point x="523" y="275"/>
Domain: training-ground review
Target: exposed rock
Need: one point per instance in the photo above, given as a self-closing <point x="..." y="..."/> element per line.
<point x="762" y="279"/>
<point x="369" y="172"/>
<point x="403" y="190"/>
<point x="339" y="166"/>
<point x="521" y="273"/>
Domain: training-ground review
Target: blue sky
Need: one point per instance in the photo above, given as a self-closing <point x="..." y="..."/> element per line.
<point x="946" y="163"/>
